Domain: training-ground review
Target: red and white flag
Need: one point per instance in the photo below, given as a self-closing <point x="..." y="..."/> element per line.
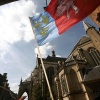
<point x="69" y="12"/>
<point x="59" y="16"/>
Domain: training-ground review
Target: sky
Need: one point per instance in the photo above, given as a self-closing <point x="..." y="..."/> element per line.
<point x="17" y="45"/>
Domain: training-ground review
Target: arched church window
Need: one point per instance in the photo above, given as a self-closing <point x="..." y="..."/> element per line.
<point x="98" y="17"/>
<point x="83" y="71"/>
<point x="56" y="89"/>
<point x="95" y="54"/>
<point x="50" y="74"/>
<point x="73" y="82"/>
<point x="63" y="85"/>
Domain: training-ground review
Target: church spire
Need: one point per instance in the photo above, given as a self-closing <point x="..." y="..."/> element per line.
<point x="87" y="26"/>
<point x="93" y="34"/>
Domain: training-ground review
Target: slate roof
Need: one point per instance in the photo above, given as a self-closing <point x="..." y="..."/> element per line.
<point x="92" y="74"/>
<point x="51" y="59"/>
<point x="54" y="59"/>
<point x="83" y="40"/>
<point x="70" y="58"/>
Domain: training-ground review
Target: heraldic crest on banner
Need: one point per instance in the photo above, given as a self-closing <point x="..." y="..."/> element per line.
<point x="64" y="6"/>
<point x="38" y="25"/>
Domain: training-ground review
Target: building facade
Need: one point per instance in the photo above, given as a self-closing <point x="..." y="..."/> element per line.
<point x="75" y="78"/>
<point x="36" y="82"/>
<point x="95" y="16"/>
<point x="79" y="77"/>
<point x="5" y="92"/>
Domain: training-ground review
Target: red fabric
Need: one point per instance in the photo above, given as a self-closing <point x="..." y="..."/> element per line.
<point x="85" y="7"/>
<point x="23" y="97"/>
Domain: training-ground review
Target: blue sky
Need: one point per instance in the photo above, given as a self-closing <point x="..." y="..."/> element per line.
<point x="17" y="46"/>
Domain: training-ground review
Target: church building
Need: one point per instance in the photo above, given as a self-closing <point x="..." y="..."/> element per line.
<point x="76" y="77"/>
<point x="79" y="77"/>
<point x="5" y="92"/>
<point x="37" y="78"/>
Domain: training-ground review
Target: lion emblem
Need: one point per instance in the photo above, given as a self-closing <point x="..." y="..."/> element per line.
<point x="65" y="6"/>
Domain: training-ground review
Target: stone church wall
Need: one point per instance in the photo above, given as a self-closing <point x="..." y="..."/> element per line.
<point x="95" y="16"/>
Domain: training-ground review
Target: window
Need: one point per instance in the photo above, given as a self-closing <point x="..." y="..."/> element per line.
<point x="98" y="17"/>
<point x="95" y="54"/>
<point x="73" y="82"/>
<point x="50" y="74"/>
<point x="63" y="85"/>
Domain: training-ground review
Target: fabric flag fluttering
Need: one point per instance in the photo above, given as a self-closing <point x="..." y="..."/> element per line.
<point x="59" y="16"/>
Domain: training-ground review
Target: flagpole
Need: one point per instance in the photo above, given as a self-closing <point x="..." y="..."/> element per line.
<point x="51" y="95"/>
<point x="46" y="3"/>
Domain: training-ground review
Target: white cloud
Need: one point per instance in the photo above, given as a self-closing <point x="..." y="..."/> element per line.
<point x="44" y="49"/>
<point x="14" y="21"/>
<point x="14" y="87"/>
<point x="4" y="47"/>
<point x="28" y="74"/>
<point x="58" y="56"/>
<point x="14" y="27"/>
<point x="15" y="24"/>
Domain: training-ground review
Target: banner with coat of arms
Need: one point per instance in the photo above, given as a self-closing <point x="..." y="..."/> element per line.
<point x="59" y="16"/>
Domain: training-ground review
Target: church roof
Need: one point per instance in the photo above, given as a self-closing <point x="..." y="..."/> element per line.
<point x="87" y="25"/>
<point x="51" y="59"/>
<point x="70" y="58"/>
<point x="83" y="40"/>
<point x="13" y="95"/>
<point x="54" y="59"/>
<point x="28" y="79"/>
<point x="92" y="74"/>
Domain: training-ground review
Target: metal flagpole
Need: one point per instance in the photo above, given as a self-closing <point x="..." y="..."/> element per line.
<point x="51" y="95"/>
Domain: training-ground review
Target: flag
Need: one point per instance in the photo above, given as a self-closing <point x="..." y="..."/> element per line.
<point x="23" y="97"/>
<point x="59" y="16"/>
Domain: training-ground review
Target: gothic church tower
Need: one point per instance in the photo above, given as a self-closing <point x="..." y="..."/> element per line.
<point x="93" y="34"/>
